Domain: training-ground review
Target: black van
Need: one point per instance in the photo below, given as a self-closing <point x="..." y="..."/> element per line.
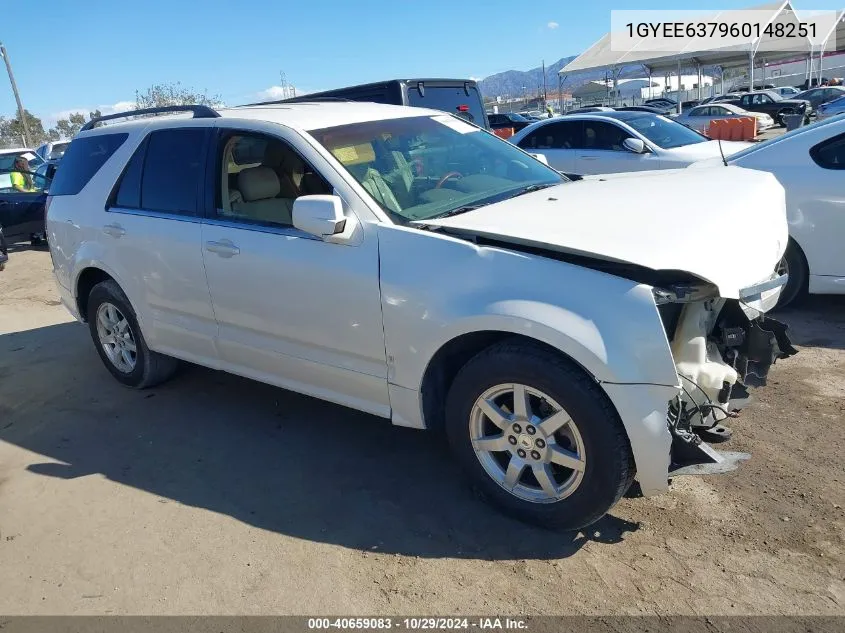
<point x="457" y="96"/>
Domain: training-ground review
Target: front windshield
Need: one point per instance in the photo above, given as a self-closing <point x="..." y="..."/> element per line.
<point x="663" y="132"/>
<point x="418" y="168"/>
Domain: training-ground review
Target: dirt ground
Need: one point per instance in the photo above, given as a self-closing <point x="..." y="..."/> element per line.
<point x="216" y="495"/>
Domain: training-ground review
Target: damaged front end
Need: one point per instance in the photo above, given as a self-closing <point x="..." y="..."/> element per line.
<point x="720" y="347"/>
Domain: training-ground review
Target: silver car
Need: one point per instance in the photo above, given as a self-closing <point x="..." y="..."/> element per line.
<point x="700" y="118"/>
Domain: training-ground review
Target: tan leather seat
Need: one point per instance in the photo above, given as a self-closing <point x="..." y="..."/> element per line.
<point x="259" y="187"/>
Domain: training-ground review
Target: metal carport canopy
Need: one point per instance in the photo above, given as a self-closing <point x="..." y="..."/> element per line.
<point x="600" y="55"/>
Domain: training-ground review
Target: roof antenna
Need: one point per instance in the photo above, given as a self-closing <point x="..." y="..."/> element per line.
<point x="722" y="152"/>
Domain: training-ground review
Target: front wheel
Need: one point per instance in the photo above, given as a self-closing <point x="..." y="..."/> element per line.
<point x="538" y="437"/>
<point x="793" y="264"/>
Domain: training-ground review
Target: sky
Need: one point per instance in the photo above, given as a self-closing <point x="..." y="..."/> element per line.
<point x="74" y="56"/>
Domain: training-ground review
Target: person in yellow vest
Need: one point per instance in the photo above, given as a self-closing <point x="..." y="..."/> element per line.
<point x="22" y="176"/>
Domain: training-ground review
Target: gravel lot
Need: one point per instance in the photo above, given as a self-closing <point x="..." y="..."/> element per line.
<point x="213" y="494"/>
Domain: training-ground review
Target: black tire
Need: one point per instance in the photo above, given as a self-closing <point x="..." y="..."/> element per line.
<point x="796" y="286"/>
<point x="151" y="368"/>
<point x="609" y="469"/>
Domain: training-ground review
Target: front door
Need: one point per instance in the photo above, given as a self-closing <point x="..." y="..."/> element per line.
<point x="292" y="309"/>
<point x="602" y="151"/>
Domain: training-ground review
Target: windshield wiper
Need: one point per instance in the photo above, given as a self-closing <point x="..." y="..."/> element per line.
<point x="458" y="211"/>
<point x="533" y="188"/>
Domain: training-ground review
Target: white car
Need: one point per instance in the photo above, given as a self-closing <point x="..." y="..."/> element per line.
<point x="810" y="164"/>
<point x="8" y="157"/>
<point x="700" y="117"/>
<point x="406" y="263"/>
<point x="612" y="142"/>
<point x="52" y="150"/>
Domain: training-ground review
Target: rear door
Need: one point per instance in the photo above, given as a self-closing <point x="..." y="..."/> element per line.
<point x="824" y="207"/>
<point x="557" y="141"/>
<point x="152" y="230"/>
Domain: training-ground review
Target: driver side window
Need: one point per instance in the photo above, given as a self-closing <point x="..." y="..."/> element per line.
<point x="260" y="177"/>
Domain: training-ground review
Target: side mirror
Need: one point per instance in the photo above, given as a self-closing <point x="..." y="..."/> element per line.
<point x="634" y="145"/>
<point x="542" y="158"/>
<point x="319" y="215"/>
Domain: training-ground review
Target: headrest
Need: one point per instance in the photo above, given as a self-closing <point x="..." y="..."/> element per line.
<point x="258" y="183"/>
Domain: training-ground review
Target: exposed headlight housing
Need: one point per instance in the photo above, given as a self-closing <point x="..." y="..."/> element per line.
<point x="684" y="293"/>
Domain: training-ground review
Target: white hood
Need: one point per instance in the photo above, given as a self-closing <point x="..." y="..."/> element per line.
<point x="708" y="149"/>
<point x="726" y="225"/>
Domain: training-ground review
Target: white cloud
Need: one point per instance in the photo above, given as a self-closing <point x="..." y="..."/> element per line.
<point x="278" y="92"/>
<point x="553" y="25"/>
<point x="121" y="106"/>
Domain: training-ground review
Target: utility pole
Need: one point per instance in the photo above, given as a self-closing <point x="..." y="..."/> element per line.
<point x="21" y="115"/>
<point x="545" y="96"/>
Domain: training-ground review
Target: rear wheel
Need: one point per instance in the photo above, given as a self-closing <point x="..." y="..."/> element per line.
<point x="538" y="437"/>
<point x="119" y="342"/>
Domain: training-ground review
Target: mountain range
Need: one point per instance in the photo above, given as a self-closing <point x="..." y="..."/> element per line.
<point x="516" y="82"/>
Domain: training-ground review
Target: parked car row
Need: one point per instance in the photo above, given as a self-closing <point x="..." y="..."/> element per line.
<point x="569" y="337"/>
<point x="612" y="142"/>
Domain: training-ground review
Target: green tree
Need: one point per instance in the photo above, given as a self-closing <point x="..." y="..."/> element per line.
<point x="173" y="94"/>
<point x="69" y="127"/>
<point x="11" y="131"/>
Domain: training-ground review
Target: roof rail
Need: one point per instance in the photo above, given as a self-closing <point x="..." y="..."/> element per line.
<point x="200" y="112"/>
<point x="302" y="99"/>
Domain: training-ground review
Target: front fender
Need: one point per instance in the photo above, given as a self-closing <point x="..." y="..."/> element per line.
<point x="608" y="325"/>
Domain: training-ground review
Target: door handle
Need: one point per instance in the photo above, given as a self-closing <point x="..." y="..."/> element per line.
<point x="115" y="230"/>
<point x="224" y="248"/>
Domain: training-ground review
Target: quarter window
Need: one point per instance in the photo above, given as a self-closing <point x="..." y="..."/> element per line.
<point x="831" y="153"/>
<point x="82" y="160"/>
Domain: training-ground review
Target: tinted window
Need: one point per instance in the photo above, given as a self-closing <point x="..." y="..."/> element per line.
<point x="452" y="99"/>
<point x="562" y="135"/>
<point x="82" y="160"/>
<point x="831" y="153"/>
<point x="172" y="171"/>
<point x="129" y="191"/>
<point x="604" y="136"/>
<point x="699" y="111"/>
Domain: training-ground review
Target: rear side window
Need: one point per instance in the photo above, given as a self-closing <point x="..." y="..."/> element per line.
<point x="453" y="99"/>
<point x="561" y="135"/>
<point x="831" y="153"/>
<point x="165" y="173"/>
<point x="82" y="160"/>
<point x="173" y="171"/>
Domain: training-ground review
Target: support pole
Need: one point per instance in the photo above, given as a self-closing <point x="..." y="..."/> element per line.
<point x="649" y="83"/>
<point x="678" y="93"/>
<point x="699" y="82"/>
<point x="750" y="70"/>
<point x="21" y="112"/>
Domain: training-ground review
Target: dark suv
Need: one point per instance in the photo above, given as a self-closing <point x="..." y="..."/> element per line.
<point x="773" y="104"/>
<point x="456" y="96"/>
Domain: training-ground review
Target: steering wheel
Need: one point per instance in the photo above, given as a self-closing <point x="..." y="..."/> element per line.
<point x="451" y="174"/>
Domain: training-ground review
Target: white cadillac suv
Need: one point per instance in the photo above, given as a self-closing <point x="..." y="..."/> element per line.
<point x="569" y="337"/>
